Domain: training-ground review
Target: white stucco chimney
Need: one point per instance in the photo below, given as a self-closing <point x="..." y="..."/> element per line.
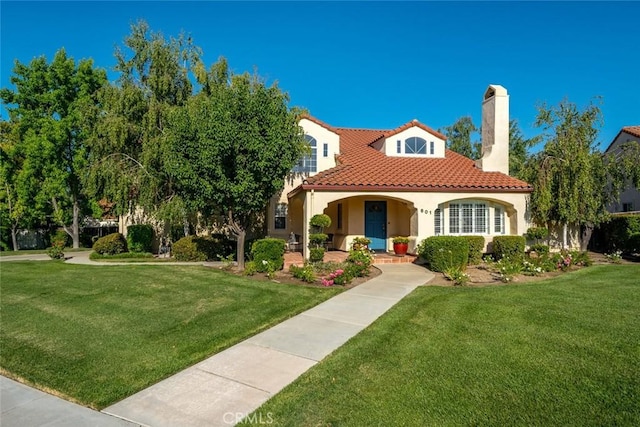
<point x="495" y="130"/>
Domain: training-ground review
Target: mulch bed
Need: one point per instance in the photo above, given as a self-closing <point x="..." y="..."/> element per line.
<point x="284" y="276"/>
<point x="480" y="276"/>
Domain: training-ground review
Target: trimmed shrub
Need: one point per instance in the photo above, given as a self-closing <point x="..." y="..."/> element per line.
<point x="139" y="237"/>
<point x="320" y="221"/>
<point x="616" y="233"/>
<point x="316" y="254"/>
<point x="111" y="244"/>
<point x="476" y="247"/>
<point x="316" y="240"/>
<point x="444" y="252"/>
<point x="511" y="247"/>
<point x="540" y="249"/>
<point x="633" y="243"/>
<point x="270" y="250"/>
<point x="56" y="251"/>
<point x="537" y="233"/>
<point x="195" y="248"/>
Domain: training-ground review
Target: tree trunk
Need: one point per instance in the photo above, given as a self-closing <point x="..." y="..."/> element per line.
<point x="74" y="232"/>
<point x="240" y="234"/>
<point x="75" y="225"/>
<point x="14" y="237"/>
<point x="585" y="236"/>
<point x="564" y="235"/>
<point x="185" y="226"/>
<point x="240" y="249"/>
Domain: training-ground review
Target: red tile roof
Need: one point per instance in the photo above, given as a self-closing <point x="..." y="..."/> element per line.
<point x="632" y="130"/>
<point x="362" y="167"/>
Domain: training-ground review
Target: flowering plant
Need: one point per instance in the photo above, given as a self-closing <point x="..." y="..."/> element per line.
<point x="336" y="278"/>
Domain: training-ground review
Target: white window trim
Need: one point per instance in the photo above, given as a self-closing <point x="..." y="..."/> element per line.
<point x="489" y="218"/>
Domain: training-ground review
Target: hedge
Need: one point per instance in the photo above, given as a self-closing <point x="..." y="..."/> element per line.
<point x="140" y="237"/>
<point x="111" y="244"/>
<point x="617" y="234"/>
<point x="442" y="252"/>
<point x="476" y="248"/>
<point x="270" y="250"/>
<point x="196" y="248"/>
<point x="511" y="247"/>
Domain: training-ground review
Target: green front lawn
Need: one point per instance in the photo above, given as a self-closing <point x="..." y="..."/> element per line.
<point x="38" y="251"/>
<point x="564" y="351"/>
<point x="99" y="334"/>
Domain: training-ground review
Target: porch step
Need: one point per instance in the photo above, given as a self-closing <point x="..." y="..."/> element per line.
<point x="295" y="258"/>
<point x="388" y="258"/>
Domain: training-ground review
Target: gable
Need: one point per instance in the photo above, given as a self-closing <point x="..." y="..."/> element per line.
<point x="626" y="134"/>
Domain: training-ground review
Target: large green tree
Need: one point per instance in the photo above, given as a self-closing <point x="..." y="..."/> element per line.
<point x="232" y="147"/>
<point x="13" y="209"/>
<point x="129" y="156"/>
<point x="519" y="147"/>
<point x="459" y="137"/>
<point x="572" y="183"/>
<point x="52" y="106"/>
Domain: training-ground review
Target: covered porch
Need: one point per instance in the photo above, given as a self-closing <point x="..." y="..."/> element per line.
<point x="376" y="217"/>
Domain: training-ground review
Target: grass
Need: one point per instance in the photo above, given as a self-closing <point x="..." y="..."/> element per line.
<point x="127" y="257"/>
<point x="563" y="351"/>
<point x="99" y="334"/>
<point x="38" y="251"/>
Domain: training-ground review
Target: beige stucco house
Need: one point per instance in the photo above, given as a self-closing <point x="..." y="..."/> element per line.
<point x="384" y="183"/>
<point x="630" y="196"/>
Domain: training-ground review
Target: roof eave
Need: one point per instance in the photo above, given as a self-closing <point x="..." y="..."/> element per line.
<point x="406" y="189"/>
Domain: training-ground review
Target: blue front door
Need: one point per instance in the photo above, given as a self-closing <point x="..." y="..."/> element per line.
<point x="375" y="225"/>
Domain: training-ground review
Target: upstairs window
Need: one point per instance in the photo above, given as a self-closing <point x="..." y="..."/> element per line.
<point x="308" y="163"/>
<point x="399" y="147"/>
<point x="432" y="147"/>
<point x="325" y="150"/>
<point x="415" y="145"/>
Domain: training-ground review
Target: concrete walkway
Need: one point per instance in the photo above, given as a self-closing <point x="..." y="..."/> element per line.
<point x="224" y="388"/>
<point x="24" y="406"/>
<point x="233" y="383"/>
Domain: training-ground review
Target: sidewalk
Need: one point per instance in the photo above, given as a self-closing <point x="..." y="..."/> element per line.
<point x="24" y="406"/>
<point x="233" y="383"/>
<point x="224" y="388"/>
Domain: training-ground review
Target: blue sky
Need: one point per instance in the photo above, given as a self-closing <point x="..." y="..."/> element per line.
<point x="374" y="64"/>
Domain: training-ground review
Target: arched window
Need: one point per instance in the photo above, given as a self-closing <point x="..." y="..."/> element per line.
<point x="308" y="163"/>
<point x="415" y="145"/>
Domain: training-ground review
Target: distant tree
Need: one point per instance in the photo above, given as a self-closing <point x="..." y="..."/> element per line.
<point x="459" y="138"/>
<point x="129" y="156"/>
<point x="572" y="183"/>
<point x="12" y="207"/>
<point x="519" y="147"/>
<point x="51" y="107"/>
<point x="232" y="146"/>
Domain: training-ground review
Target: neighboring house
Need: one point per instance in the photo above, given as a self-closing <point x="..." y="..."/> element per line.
<point x="384" y="183"/>
<point x="630" y="197"/>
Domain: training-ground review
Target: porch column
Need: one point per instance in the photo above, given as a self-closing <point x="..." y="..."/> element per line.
<point x="307" y="209"/>
<point x="425" y="223"/>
